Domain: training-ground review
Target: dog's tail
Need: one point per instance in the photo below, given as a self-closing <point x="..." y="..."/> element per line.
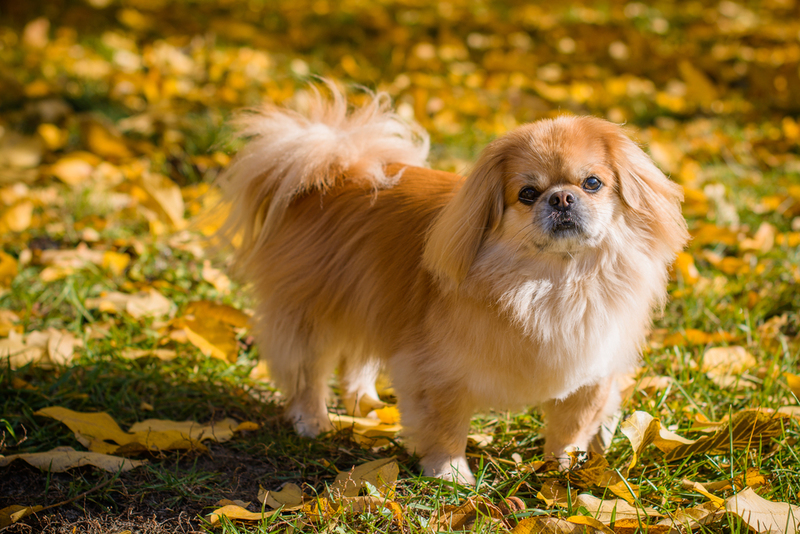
<point x="289" y="154"/>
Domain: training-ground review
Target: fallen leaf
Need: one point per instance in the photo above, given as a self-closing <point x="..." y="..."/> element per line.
<point x="693" y="518"/>
<point x="366" y="431"/>
<point x="793" y="381"/>
<point x="17" y="218"/>
<point x="591" y="522"/>
<point x="550" y="525"/>
<point x="762" y="515"/>
<point x="46" y="348"/>
<point x="216" y="278"/>
<point x="642" y="429"/>
<point x="64" y="458"/>
<point x="164" y="198"/>
<point x="99" y="432"/>
<point x="380" y="474"/>
<point x="236" y="513"/>
<point x="290" y="497"/>
<point x="8" y="270"/>
<point x="11" y="514"/>
<point x="452" y="518"/>
<point x="147" y="303"/>
<point x="605" y="509"/>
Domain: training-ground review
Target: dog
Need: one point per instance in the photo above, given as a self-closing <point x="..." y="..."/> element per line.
<point x="532" y="281"/>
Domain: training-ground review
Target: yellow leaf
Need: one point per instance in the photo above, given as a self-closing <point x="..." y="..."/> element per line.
<point x="590" y="521"/>
<point x="17" y="218"/>
<point x="53" y="136"/>
<point x="73" y="169"/>
<point x="236" y="513"/>
<point x="389" y="415"/>
<point x="793" y="381"/>
<point x="724" y="365"/>
<point x="219" y="312"/>
<point x="100" y="433"/>
<point x="115" y="262"/>
<point x="381" y="474"/>
<point x="762" y="515"/>
<point x="8" y="270"/>
<point x="105" y="144"/>
<point x="290" y="497"/>
<point x="11" y="514"/>
<point x="707" y="233"/>
<point x="61" y="459"/>
<point x="213" y="338"/>
<point x="549" y="525"/>
<point x="642" y="429"/>
<point x="684" y="265"/>
<point x="367" y="432"/>
<point x="699" y="88"/>
<point x="165" y="198"/>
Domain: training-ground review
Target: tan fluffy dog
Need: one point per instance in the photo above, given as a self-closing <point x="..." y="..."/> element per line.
<point x="532" y="281"/>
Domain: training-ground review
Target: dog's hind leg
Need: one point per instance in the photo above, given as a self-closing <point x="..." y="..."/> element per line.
<point x="357" y="381"/>
<point x="301" y="372"/>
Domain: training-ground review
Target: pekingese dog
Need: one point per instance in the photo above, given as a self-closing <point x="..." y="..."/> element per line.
<point x="530" y="281"/>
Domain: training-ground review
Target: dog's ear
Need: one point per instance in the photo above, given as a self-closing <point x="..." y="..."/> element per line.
<point x="456" y="235"/>
<point x="653" y="201"/>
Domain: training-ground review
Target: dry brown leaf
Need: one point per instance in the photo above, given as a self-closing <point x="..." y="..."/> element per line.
<point x="11" y="514"/>
<point x="380" y="474"/>
<point x="62" y="459"/>
<point x="688" y="519"/>
<point x="550" y="525"/>
<point x="46" y="349"/>
<point x="460" y="517"/>
<point x="725" y="365"/>
<point x="762" y="515"/>
<point x="147" y="303"/>
<point x="290" y="497"/>
<point x="605" y="509"/>
<point x="642" y="429"/>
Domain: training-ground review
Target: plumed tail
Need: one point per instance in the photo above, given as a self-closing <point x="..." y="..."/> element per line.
<point x="289" y="154"/>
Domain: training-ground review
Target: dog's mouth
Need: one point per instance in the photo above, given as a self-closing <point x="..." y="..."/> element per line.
<point x="561" y="222"/>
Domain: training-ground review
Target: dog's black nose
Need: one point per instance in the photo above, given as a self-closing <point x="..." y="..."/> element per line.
<point x="561" y="200"/>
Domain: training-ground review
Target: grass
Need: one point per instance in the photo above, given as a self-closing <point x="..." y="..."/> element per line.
<point x="740" y="166"/>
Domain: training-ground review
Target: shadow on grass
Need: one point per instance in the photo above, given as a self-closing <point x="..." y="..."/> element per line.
<point x="175" y="488"/>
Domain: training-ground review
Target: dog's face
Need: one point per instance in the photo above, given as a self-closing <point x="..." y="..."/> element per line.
<point x="559" y="186"/>
<point x="560" y="192"/>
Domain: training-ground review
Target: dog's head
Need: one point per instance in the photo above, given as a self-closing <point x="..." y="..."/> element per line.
<point x="561" y="186"/>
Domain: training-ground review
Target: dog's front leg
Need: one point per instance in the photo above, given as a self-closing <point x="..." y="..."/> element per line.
<point x="436" y="423"/>
<point x="572" y="422"/>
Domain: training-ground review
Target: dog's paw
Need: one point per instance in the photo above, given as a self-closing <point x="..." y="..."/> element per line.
<point x="568" y="457"/>
<point x="308" y="425"/>
<point x="453" y="469"/>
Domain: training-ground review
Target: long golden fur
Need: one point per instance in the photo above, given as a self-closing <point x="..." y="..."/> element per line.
<point x="524" y="283"/>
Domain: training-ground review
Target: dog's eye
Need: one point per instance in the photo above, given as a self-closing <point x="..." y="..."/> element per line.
<point x="592" y="184"/>
<point x="528" y="195"/>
